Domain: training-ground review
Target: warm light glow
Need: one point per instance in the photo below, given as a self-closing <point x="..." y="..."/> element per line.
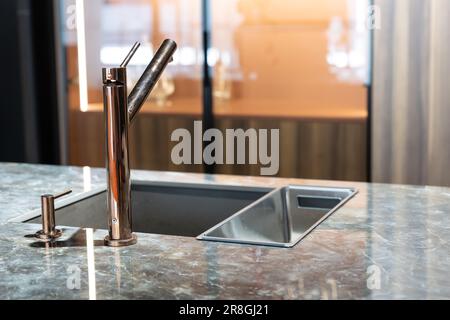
<point x="91" y="263"/>
<point x="186" y="56"/>
<point x="113" y="55"/>
<point x="86" y="178"/>
<point x="81" y="44"/>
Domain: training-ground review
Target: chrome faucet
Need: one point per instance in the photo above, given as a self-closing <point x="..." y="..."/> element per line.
<point x="119" y="113"/>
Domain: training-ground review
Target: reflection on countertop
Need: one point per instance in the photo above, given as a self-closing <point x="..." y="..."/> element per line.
<point x="389" y="241"/>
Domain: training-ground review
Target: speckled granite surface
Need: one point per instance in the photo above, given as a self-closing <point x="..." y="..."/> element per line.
<point x="389" y="241"/>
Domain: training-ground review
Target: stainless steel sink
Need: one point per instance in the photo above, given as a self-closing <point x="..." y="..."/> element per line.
<point x="282" y="217"/>
<point x="164" y="208"/>
<point x="250" y="215"/>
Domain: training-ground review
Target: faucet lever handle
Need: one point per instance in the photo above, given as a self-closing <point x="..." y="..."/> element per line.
<point x="58" y="195"/>
<point x="49" y="231"/>
<point x="130" y="55"/>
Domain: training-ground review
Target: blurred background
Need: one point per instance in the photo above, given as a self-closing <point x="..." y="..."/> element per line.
<point x="356" y="87"/>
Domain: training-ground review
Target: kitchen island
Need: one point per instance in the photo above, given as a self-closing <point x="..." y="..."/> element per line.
<point x="387" y="242"/>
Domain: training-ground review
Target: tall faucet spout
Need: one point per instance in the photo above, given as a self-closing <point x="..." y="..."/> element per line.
<point x="147" y="81"/>
<point x="119" y="111"/>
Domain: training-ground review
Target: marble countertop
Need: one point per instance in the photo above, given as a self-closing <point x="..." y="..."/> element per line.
<point x="388" y="242"/>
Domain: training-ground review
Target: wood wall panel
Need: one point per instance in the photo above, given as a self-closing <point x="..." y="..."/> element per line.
<point x="316" y="150"/>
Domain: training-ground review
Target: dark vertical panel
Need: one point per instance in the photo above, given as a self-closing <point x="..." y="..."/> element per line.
<point x="28" y="105"/>
<point x="27" y="76"/>
<point x="61" y="83"/>
<point x="208" y="117"/>
<point x="46" y="79"/>
<point x="12" y="147"/>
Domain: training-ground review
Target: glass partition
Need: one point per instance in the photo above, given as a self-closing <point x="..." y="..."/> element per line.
<point x="300" y="66"/>
<point x="98" y="33"/>
<point x="292" y="58"/>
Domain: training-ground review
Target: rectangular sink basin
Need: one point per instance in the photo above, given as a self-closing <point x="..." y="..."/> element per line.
<point x="250" y="215"/>
<point x="163" y="208"/>
<point x="282" y="217"/>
